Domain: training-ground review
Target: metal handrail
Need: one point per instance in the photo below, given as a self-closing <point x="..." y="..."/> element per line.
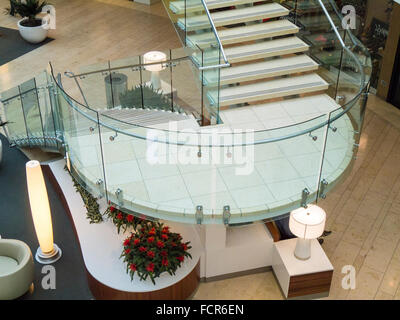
<point x="362" y="84"/>
<point x="214" y="29"/>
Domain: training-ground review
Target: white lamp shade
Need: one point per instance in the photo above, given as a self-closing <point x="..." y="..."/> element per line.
<point x="40" y="207"/>
<point x="153" y="57"/>
<point x="307" y="223"/>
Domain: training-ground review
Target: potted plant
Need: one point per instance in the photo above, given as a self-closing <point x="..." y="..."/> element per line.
<point x="31" y="28"/>
<point x="153" y="250"/>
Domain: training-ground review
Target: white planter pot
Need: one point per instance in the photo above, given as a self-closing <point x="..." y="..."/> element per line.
<point x="33" y="34"/>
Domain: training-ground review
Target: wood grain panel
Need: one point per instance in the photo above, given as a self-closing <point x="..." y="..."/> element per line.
<point x="310" y="284"/>
<point x="179" y="291"/>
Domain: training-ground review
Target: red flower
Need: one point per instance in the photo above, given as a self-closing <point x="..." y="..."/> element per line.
<point x="184" y="246"/>
<point x="127" y="251"/>
<point x="164" y="236"/>
<point x="165" y="230"/>
<point x="129" y="218"/>
<point x="164" y="262"/>
<point x="150" y="267"/>
<point x="164" y="253"/>
<point x="133" y="267"/>
<point x="119" y="216"/>
<point x="160" y="244"/>
<point x="150" y="254"/>
<point x="150" y="239"/>
<point x="142" y="249"/>
<point x="112" y="209"/>
<point x="173" y="244"/>
<point x="181" y="258"/>
<point x="152" y="232"/>
<point x="127" y="241"/>
<point x="136" y="242"/>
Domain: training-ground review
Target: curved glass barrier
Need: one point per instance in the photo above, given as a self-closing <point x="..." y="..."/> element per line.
<point x="148" y="138"/>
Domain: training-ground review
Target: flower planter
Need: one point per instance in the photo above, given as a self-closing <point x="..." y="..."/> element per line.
<point x="33" y="34"/>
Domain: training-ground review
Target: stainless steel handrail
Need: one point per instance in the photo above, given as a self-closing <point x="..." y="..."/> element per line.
<point x="214" y="29"/>
<point x="362" y="84"/>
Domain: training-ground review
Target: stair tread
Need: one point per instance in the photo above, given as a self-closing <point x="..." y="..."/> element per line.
<point x="178" y="7"/>
<point x="228" y="17"/>
<point x="259" y="70"/>
<point x="245" y="33"/>
<point x="269" y="89"/>
<point x="265" y="49"/>
<point x="254" y="51"/>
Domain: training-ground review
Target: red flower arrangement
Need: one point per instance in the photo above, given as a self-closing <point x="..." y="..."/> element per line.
<point x="122" y="220"/>
<point x="153" y="250"/>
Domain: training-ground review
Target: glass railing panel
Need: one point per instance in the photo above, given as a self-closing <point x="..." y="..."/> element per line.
<point x="134" y="167"/>
<point x="94" y="83"/>
<point x="340" y="150"/>
<point x="123" y="85"/>
<point x="156" y="88"/>
<point x="44" y="92"/>
<point x="186" y="85"/>
<point x="13" y="113"/>
<point x="82" y="144"/>
<point x="32" y="115"/>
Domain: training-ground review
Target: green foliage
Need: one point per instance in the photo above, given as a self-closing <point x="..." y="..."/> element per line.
<point x="91" y="205"/>
<point x="28" y="8"/>
<point x="153" y="99"/>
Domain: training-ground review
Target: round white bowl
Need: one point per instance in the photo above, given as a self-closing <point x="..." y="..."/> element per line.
<point x="33" y="34"/>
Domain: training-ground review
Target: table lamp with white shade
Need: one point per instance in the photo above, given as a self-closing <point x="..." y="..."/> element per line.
<point x="48" y="252"/>
<point x="307" y="224"/>
<point x="152" y="58"/>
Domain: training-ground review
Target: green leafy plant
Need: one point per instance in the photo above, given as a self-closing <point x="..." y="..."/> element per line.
<point x="27" y="9"/>
<point x="90" y="202"/>
<point x="153" y="99"/>
<point x="152" y="250"/>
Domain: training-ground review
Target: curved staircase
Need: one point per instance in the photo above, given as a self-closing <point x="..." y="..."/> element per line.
<point x="268" y="61"/>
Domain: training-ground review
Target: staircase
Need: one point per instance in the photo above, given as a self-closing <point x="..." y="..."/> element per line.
<point x="268" y="60"/>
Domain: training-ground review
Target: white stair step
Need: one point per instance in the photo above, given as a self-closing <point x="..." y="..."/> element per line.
<point x="261" y="70"/>
<point x="178" y="7"/>
<point x="265" y="49"/>
<point x="268" y="90"/>
<point x="228" y="17"/>
<point x="245" y="33"/>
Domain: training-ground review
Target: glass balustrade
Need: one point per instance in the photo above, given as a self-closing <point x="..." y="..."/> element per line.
<point x="149" y="137"/>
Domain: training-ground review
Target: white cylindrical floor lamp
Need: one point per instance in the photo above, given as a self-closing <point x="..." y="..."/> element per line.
<point x="306" y="223"/>
<point x="48" y="252"/>
<point x="153" y="57"/>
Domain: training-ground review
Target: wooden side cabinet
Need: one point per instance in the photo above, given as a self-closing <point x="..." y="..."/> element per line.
<point x="299" y="278"/>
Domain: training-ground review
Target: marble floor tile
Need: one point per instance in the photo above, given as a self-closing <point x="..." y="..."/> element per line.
<point x="367" y="284"/>
<point x="380" y="254"/>
<point x="391" y="279"/>
<point x="159" y="193"/>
